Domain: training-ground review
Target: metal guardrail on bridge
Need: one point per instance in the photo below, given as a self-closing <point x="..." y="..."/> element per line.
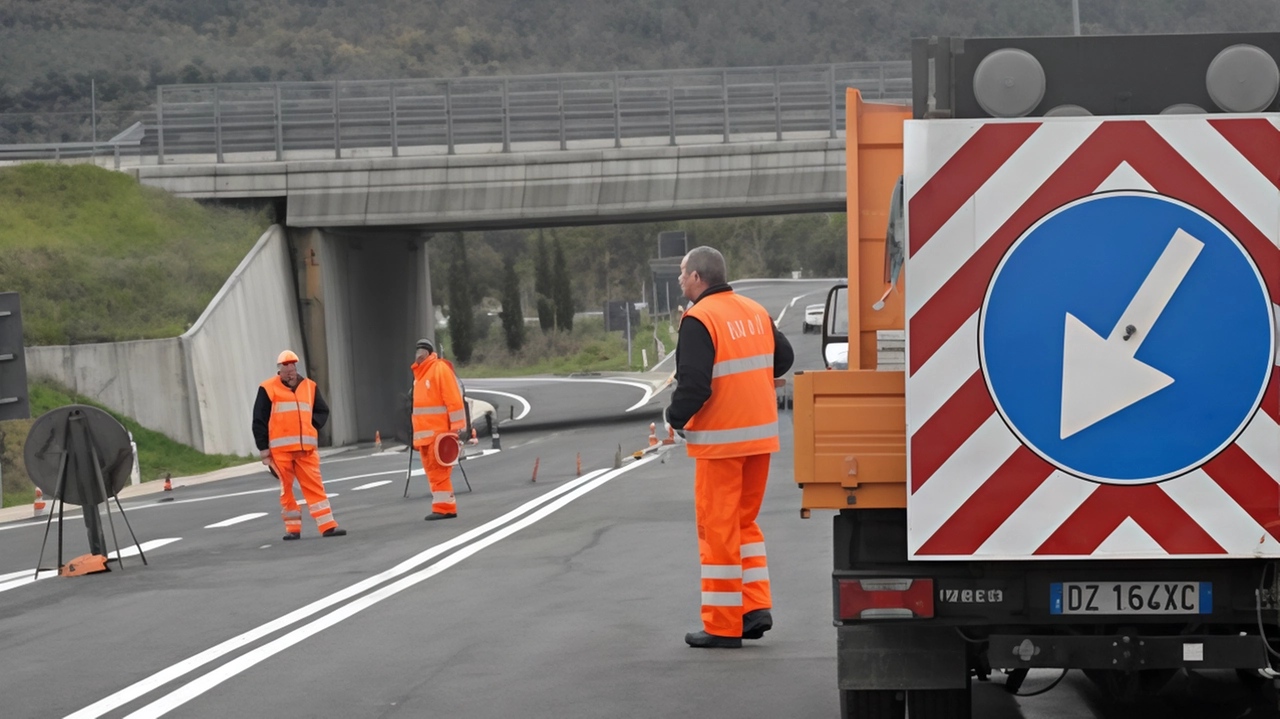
<point x="266" y="121"/>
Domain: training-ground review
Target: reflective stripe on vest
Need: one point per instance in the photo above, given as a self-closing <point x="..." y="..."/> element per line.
<point x="458" y="416"/>
<point x="425" y="434"/>
<point x="740" y="418"/>
<point x="746" y="364"/>
<point x="290" y="441"/>
<point x="438" y="409"/>
<point x="291" y="406"/>
<point x="732" y="436"/>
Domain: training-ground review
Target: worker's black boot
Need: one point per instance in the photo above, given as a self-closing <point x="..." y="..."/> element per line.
<point x="292" y="535"/>
<point x="755" y="623"/>
<point x="335" y="532"/>
<point x="436" y="515"/>
<point x="702" y="640"/>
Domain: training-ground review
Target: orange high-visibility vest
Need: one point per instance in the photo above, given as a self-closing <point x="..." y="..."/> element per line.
<point x="741" y="416"/>
<point x="290" y="428"/>
<point x="437" y="401"/>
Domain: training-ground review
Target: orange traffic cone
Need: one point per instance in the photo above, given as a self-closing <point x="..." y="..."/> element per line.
<point x="168" y="485"/>
<point x="653" y="437"/>
<point x="39" y="507"/>
<point x="377" y="441"/>
<point x="473" y="439"/>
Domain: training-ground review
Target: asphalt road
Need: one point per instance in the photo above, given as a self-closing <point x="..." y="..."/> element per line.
<point x="564" y="597"/>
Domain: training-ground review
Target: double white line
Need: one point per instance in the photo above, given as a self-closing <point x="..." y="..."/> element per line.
<point x="506" y="525"/>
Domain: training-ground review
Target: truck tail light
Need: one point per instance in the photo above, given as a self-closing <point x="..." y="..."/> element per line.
<point x="884" y="598"/>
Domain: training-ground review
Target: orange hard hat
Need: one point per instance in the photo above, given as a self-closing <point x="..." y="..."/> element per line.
<point x="286" y="357"/>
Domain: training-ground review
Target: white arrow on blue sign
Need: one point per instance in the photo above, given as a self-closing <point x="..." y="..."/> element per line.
<point x="1127" y="338"/>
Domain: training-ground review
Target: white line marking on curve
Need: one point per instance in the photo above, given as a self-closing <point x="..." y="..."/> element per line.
<point x="524" y="403"/>
<point x="199" y="686"/>
<point x="164" y="676"/>
<point x="235" y="520"/>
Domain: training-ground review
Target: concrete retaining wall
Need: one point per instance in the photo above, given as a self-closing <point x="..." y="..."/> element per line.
<point x="198" y="388"/>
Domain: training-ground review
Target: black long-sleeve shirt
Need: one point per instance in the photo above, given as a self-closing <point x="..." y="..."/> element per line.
<point x="262" y="415"/>
<point x="695" y="355"/>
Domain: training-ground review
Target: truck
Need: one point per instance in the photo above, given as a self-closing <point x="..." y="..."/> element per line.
<point x="1073" y="460"/>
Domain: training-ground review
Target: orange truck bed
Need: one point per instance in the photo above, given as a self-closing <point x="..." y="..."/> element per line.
<point x="850" y="425"/>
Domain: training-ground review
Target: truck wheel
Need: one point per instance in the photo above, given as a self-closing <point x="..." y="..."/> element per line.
<point x="872" y="704"/>
<point x="939" y="704"/>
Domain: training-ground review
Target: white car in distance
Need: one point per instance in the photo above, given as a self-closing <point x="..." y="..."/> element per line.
<point x="813" y="315"/>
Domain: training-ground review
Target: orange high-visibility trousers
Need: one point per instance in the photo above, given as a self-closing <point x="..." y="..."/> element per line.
<point x="305" y="467"/>
<point x="442" y="499"/>
<point x="735" y="572"/>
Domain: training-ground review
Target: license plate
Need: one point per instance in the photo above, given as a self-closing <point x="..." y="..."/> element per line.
<point x="1131" y="598"/>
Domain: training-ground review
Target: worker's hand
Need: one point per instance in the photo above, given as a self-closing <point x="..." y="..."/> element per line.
<point x="266" y="457"/>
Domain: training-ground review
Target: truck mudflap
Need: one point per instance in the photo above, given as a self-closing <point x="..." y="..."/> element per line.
<point x="901" y="656"/>
<point x="1125" y="652"/>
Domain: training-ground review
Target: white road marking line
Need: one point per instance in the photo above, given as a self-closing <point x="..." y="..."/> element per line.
<point x="235" y="520"/>
<point x="199" y="686"/>
<point x="524" y="403"/>
<point x="371" y="485"/>
<point x="648" y="390"/>
<point x="164" y="676"/>
<point x="14" y="580"/>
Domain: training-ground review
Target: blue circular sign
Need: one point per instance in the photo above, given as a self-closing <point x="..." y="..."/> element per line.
<point x="1127" y="338"/>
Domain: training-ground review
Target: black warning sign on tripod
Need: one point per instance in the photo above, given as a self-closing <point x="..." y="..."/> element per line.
<point x="81" y="455"/>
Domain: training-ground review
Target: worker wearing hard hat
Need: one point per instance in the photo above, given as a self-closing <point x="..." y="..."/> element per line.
<point x="726" y="408"/>
<point x="437" y="408"/>
<point x="287" y="417"/>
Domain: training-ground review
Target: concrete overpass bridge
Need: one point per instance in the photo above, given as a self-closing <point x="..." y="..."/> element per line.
<point x="367" y="170"/>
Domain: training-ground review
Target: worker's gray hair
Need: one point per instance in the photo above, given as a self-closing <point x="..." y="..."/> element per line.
<point x="708" y="263"/>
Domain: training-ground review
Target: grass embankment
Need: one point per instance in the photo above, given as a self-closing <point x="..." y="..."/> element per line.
<point x="157" y="454"/>
<point x="588" y="348"/>
<point x="99" y="258"/>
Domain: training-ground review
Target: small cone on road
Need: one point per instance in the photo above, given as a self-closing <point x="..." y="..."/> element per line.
<point x="377" y="440"/>
<point x="39" y="507"/>
<point x="579" y="464"/>
<point x="168" y="485"/>
<point x="536" y="460"/>
<point x="473" y="439"/>
<point x="653" y="437"/>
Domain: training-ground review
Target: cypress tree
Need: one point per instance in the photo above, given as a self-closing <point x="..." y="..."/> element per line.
<point x="512" y="312"/>
<point x="563" y="289"/>
<point x="542" y="286"/>
<point x="460" y="305"/>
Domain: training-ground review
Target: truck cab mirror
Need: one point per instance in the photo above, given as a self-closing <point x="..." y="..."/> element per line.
<point x="835" y="328"/>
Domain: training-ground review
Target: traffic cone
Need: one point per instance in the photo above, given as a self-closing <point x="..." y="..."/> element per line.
<point x="473" y="439"/>
<point x="653" y="438"/>
<point x="39" y="507"/>
<point x="168" y="485"/>
<point x="377" y="441"/>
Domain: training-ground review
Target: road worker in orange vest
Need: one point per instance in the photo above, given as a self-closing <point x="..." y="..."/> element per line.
<point x="287" y="417"/>
<point x="725" y="407"/>
<point x="438" y="407"/>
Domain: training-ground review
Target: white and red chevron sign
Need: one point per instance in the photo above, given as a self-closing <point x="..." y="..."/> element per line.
<point x="973" y="188"/>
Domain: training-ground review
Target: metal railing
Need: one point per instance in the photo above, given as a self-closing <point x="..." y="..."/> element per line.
<point x="265" y="121"/>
